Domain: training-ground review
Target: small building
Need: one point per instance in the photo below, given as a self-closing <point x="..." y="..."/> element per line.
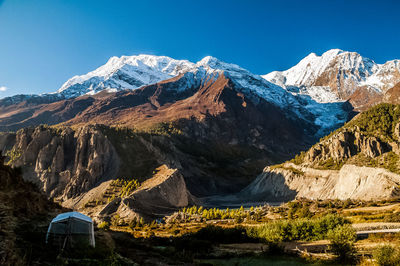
<point x="70" y="228"/>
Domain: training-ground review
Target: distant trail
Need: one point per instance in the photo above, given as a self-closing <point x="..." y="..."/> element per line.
<point x="372" y="208"/>
<point x="369" y="232"/>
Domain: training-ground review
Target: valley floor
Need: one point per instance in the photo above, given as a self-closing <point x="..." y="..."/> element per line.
<point x="228" y="241"/>
<point x="239" y="236"/>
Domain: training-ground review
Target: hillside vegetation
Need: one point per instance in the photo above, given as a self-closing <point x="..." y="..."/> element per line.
<point x="370" y="139"/>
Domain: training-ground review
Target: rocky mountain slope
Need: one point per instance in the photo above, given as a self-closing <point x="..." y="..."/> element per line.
<point x="68" y="164"/>
<point x="358" y="161"/>
<point x="340" y="75"/>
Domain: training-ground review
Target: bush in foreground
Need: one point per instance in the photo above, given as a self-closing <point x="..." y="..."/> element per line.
<point x="386" y="255"/>
<point x="342" y="242"/>
<point x="298" y="229"/>
<point x="104" y="226"/>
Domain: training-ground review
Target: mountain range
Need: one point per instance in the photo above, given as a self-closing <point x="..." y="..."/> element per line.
<point x="133" y="72"/>
<point x="210" y="126"/>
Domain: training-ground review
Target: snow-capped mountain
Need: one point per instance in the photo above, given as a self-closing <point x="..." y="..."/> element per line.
<point x="132" y="72"/>
<point x="126" y="72"/>
<point x="337" y="75"/>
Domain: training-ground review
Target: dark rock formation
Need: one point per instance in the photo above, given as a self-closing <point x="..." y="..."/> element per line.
<point x="63" y="162"/>
<point x="159" y="196"/>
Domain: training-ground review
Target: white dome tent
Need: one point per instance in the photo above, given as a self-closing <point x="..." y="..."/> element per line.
<point x="70" y="227"/>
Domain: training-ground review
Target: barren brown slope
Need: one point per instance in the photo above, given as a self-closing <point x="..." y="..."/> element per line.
<point x="156" y="103"/>
<point x="363" y="98"/>
<point x="393" y="95"/>
<point x="28" y="113"/>
<point x="215" y="106"/>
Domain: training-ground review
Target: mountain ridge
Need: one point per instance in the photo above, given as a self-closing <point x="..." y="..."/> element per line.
<point x="339" y="75"/>
<point x="159" y="69"/>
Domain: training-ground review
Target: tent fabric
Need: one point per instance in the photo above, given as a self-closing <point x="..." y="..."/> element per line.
<point x="77" y="215"/>
<point x="71" y="224"/>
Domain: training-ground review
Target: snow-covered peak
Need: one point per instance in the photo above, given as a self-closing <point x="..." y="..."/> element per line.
<point x="132" y="72"/>
<point x="310" y="68"/>
<point x="214" y="63"/>
<point x="336" y="74"/>
<point x="384" y="77"/>
<point x="125" y="72"/>
<point x="207" y="61"/>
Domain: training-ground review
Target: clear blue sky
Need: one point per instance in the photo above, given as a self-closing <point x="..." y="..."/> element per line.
<point x="45" y="42"/>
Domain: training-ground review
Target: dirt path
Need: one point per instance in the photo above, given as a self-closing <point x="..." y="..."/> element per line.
<point x="319" y="246"/>
<point x="373" y="208"/>
<point x="375" y="226"/>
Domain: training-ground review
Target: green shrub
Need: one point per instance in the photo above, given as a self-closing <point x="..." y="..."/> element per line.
<point x="386" y="255"/>
<point x="298" y="159"/>
<point x="304" y="212"/>
<point x="271" y="232"/>
<point x="298" y="229"/>
<point x="342" y="241"/>
<point x="115" y="220"/>
<point x="379" y="120"/>
<point x="392" y="217"/>
<point x="347" y="203"/>
<point x="331" y="164"/>
<point x="215" y="214"/>
<point x="104" y="225"/>
<point x="13" y="155"/>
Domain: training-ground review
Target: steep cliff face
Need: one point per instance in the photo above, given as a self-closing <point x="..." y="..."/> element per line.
<point x="358" y="161"/>
<point x="370" y="139"/>
<point x="63" y="162"/>
<point x="343" y="145"/>
<point x="350" y="182"/>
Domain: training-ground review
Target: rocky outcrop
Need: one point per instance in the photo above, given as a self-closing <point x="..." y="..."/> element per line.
<point x="350" y="182"/>
<point x="158" y="196"/>
<point x="63" y="162"/>
<point x="344" y="144"/>
<point x="74" y="166"/>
